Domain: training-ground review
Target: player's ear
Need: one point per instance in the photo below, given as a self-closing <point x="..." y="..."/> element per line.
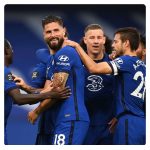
<point x="104" y="39"/>
<point x="144" y="52"/>
<point x="64" y="31"/>
<point x="127" y="43"/>
<point x="85" y="40"/>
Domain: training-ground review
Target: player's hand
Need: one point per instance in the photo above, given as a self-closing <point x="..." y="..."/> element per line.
<point x="112" y="124"/>
<point x="48" y="86"/>
<point x="59" y="93"/>
<point x="19" y="81"/>
<point x="70" y="43"/>
<point x="32" y="117"/>
<point x="112" y="55"/>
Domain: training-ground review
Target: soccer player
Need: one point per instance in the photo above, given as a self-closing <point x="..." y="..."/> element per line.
<point x="141" y="53"/>
<point x="98" y="89"/>
<point x="66" y="122"/>
<point x="12" y="93"/>
<point x="130" y="74"/>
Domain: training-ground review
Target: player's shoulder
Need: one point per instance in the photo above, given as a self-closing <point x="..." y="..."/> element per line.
<point x="123" y="59"/>
<point x="8" y="74"/>
<point x="6" y="70"/>
<point x="68" y="49"/>
<point x="40" y="66"/>
<point x="43" y="55"/>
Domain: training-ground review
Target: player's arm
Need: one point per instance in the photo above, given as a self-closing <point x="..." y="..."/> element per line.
<point x="97" y="68"/>
<point x="21" y="83"/>
<point x="59" y="81"/>
<point x="22" y="99"/>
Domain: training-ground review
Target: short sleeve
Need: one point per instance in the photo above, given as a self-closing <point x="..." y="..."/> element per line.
<point x="9" y="82"/>
<point x="64" y="59"/>
<point x="39" y="75"/>
<point x="120" y="64"/>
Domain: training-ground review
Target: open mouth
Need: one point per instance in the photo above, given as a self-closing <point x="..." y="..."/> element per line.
<point x="95" y="46"/>
<point x="54" y="40"/>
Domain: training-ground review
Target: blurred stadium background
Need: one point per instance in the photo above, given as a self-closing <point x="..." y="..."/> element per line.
<point x="23" y="29"/>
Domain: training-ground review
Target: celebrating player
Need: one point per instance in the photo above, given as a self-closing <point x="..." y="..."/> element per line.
<point x="66" y="122"/>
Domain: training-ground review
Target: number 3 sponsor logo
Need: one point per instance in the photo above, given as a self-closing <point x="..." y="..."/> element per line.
<point x="96" y="83"/>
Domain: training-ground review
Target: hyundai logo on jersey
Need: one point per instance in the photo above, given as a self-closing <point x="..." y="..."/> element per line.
<point x="63" y="58"/>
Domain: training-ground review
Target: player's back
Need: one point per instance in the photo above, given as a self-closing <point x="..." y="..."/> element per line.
<point x="130" y="85"/>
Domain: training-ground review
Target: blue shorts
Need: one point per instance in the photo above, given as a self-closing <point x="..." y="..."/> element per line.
<point x="45" y="130"/>
<point x="130" y="130"/>
<point x="43" y="139"/>
<point x="70" y="133"/>
<point x="98" y="135"/>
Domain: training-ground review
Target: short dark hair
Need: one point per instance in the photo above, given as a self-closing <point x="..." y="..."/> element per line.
<point x="131" y="34"/>
<point x="7" y="46"/>
<point x="143" y="40"/>
<point x="92" y="27"/>
<point x="50" y="19"/>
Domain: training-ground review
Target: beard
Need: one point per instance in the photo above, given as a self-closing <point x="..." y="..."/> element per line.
<point x="55" y="45"/>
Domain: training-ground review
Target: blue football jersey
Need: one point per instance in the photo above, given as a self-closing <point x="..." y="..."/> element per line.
<point x="8" y="85"/>
<point x="130" y="84"/>
<point x="39" y="71"/>
<point x="99" y="100"/>
<point x="43" y="55"/>
<point x="39" y="75"/>
<point x="67" y="60"/>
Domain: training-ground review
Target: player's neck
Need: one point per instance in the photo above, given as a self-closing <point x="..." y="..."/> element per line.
<point x="96" y="56"/>
<point x="7" y="64"/>
<point x="130" y="53"/>
<point x="52" y="52"/>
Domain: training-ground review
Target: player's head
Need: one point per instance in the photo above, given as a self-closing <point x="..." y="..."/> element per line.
<point x="8" y="52"/>
<point x="94" y="38"/>
<point x="141" y="51"/>
<point x="53" y="31"/>
<point x="125" y="39"/>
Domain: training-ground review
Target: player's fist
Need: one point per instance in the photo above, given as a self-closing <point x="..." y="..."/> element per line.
<point x="32" y="117"/>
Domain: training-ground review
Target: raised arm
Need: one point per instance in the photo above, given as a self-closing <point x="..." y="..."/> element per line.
<point x="97" y="68"/>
